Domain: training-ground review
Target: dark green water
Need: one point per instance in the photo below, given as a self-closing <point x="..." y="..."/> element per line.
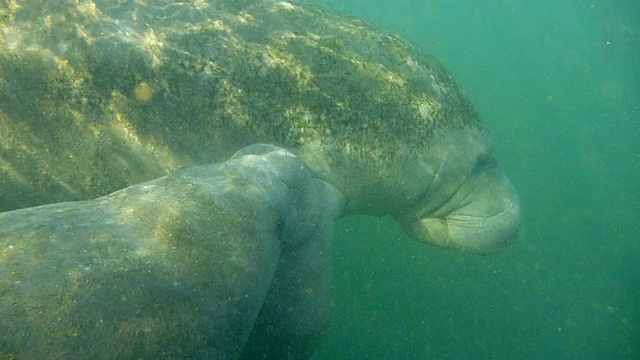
<point x="558" y="85"/>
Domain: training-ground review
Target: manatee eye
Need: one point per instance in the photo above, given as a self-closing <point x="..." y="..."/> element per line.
<point x="278" y="228"/>
<point x="486" y="160"/>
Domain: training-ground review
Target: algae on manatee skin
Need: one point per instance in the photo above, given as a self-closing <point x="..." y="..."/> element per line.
<point x="220" y="76"/>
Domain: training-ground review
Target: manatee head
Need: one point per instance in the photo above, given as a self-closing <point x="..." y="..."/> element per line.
<point x="458" y="198"/>
<point x="449" y="193"/>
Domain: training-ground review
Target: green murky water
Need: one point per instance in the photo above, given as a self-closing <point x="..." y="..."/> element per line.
<point x="558" y="85"/>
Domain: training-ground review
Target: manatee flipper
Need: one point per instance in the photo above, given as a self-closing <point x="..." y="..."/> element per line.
<point x="176" y="267"/>
<point x="296" y="309"/>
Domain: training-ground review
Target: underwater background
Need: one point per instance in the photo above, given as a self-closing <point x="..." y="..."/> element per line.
<point x="558" y="86"/>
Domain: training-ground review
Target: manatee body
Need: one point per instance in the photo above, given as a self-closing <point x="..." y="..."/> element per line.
<point x="98" y="96"/>
<point x="178" y="267"/>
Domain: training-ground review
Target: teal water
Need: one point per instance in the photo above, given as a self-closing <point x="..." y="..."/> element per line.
<point x="558" y="85"/>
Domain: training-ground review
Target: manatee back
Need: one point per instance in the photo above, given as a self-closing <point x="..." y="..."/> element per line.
<point x="179" y="267"/>
<point x="124" y="92"/>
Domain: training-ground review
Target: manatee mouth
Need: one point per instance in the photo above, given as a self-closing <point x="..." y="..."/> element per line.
<point x="485" y="218"/>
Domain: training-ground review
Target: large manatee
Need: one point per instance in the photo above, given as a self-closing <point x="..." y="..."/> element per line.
<point x="185" y="266"/>
<point x="99" y="95"/>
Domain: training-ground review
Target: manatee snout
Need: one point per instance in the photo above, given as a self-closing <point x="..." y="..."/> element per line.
<point x="483" y="216"/>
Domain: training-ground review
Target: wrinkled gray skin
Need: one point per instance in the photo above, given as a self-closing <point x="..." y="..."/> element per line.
<point x="466" y="202"/>
<point x="178" y="267"/>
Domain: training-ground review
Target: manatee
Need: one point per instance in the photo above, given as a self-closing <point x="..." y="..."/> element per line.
<point x="178" y="267"/>
<point x="97" y="96"/>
